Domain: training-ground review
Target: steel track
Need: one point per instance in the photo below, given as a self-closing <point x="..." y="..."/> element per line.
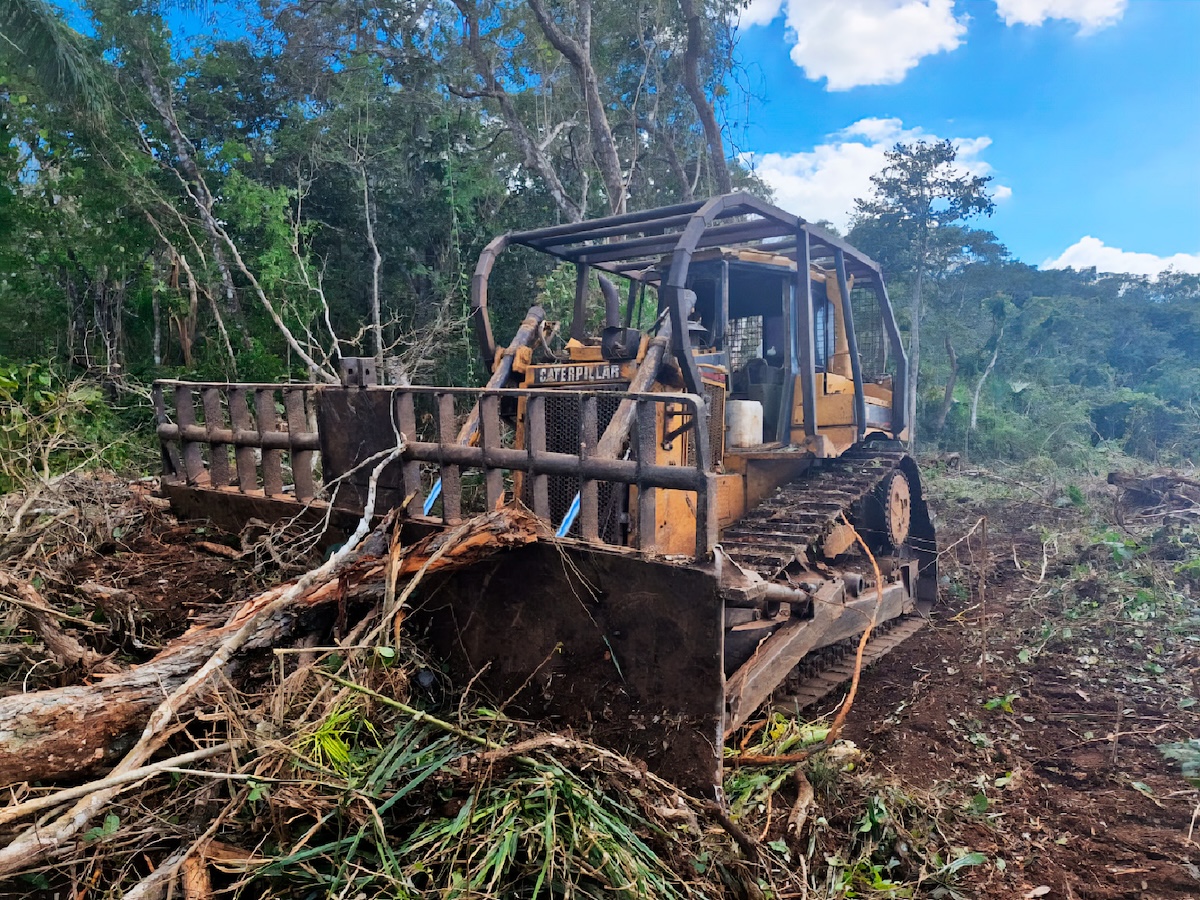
<point x="823" y="672"/>
<point x="790" y="526"/>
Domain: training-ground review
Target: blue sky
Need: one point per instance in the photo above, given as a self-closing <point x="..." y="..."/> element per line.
<point x="1085" y="112"/>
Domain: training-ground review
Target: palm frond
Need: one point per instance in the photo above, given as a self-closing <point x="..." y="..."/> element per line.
<point x="34" y="37"/>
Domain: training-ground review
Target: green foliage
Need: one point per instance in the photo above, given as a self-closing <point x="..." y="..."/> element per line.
<point x="1085" y="364"/>
<point x="109" y="827"/>
<point x="340" y="743"/>
<point x="920" y="196"/>
<point x="302" y="135"/>
<point x="747" y="788"/>
<point x="49" y="426"/>
<point x="537" y="828"/>
<point x="548" y="827"/>
<point x="1122" y="548"/>
<point x="36" y="39"/>
<point x="896" y="850"/>
<point x="1049" y="363"/>
<point x="1003" y="704"/>
<point x="1187" y="754"/>
<point x="308" y="160"/>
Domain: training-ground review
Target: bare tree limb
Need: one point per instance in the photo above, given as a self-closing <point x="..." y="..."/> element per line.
<point x="704" y="107"/>
<point x="535" y="159"/>
<point x="376" y="263"/>
<point x="203" y="201"/>
<point x="577" y="50"/>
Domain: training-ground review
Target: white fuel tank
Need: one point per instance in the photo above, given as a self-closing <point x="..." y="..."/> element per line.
<point x="743" y="423"/>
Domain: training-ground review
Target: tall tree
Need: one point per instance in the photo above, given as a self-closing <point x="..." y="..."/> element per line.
<point x="589" y="94"/>
<point x="912" y="223"/>
<point x="698" y="47"/>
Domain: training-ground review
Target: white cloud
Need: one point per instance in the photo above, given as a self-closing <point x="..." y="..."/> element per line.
<point x="824" y="183"/>
<point x="1089" y="251"/>
<point x="859" y="42"/>
<point x="1090" y="15"/>
<point x="760" y="12"/>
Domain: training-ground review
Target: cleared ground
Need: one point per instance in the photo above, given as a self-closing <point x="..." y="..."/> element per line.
<point x="1029" y="742"/>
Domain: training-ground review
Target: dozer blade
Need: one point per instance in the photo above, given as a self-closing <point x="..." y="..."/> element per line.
<point x="621" y="650"/>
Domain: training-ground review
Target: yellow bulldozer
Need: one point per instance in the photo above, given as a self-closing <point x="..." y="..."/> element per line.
<point x="714" y="444"/>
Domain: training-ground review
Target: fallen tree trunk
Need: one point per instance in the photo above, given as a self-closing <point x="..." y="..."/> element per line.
<point x="72" y="731"/>
<point x="1165" y="492"/>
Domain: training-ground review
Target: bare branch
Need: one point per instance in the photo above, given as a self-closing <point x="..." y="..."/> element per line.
<point x="535" y="159"/>
<point x="577" y="51"/>
<point x="202" y="197"/>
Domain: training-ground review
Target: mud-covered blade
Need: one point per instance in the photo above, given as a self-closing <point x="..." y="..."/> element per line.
<point x="622" y="650"/>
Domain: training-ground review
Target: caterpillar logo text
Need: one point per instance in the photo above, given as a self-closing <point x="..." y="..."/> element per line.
<point x="576" y="373"/>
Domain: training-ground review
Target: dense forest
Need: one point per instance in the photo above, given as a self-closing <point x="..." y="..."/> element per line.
<point x="320" y="182"/>
<point x="187" y="711"/>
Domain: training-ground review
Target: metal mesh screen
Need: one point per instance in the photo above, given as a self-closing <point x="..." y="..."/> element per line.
<point x="562" y="436"/>
<point x="714" y="396"/>
<point x="745" y="341"/>
<point x="868" y="329"/>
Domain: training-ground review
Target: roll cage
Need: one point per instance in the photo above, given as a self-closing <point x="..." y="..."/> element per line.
<point x="655" y="248"/>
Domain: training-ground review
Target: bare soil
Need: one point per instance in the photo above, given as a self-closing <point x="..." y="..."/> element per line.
<point x="170" y="572"/>
<point x="1024" y="723"/>
<point x="1052" y="670"/>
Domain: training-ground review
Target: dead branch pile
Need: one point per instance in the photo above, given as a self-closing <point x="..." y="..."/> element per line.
<point x="301" y="741"/>
<point x="1161" y="496"/>
<point x="56" y="521"/>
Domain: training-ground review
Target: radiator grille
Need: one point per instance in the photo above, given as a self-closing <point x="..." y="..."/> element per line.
<point x="714" y="397"/>
<point x="562" y="436"/>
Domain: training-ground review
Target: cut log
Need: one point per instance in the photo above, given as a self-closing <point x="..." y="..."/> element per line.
<point x="1166" y="491"/>
<point x="70" y="732"/>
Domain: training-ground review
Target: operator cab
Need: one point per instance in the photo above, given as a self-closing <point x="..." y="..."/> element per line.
<point x="741" y="316"/>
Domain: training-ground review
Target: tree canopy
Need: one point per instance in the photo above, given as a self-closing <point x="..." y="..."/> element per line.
<point x="321" y="184"/>
<point x="914" y="223"/>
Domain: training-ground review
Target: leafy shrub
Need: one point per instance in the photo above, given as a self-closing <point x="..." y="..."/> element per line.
<point x="49" y="426"/>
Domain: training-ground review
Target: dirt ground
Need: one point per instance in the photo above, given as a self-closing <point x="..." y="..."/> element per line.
<point x="174" y="574"/>
<point x="1062" y="654"/>
<point x="1023" y="724"/>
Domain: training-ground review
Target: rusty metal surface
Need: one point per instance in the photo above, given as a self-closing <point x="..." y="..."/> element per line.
<point x="266" y="426"/>
<point x="204" y="421"/>
<point x="620" y="649"/>
<point x="355" y="426"/>
<point x="782" y="538"/>
<point x="230" y="510"/>
<point x="804" y="688"/>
